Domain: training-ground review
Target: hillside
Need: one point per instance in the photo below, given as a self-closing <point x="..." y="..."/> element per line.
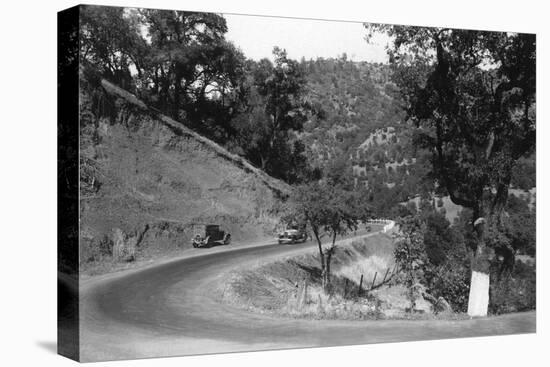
<point x="145" y="179"/>
<point x="359" y="114"/>
<point x="351" y="101"/>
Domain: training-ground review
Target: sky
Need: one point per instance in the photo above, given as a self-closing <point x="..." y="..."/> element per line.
<point x="256" y="36"/>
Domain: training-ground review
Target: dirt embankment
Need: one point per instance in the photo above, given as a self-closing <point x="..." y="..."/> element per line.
<point x="146" y="179"/>
<point x="363" y="283"/>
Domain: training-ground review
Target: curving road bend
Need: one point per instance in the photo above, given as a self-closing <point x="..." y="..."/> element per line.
<point x="172" y="309"/>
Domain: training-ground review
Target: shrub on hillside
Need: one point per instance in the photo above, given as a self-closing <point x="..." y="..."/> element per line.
<point x="514" y="291"/>
<point x="95" y="249"/>
<point x="410" y="257"/>
<point x="452" y="282"/>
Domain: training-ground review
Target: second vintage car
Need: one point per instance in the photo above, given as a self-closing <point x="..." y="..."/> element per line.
<point x="293" y="235"/>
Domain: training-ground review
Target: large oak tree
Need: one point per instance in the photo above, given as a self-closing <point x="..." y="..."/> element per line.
<point x="471" y="95"/>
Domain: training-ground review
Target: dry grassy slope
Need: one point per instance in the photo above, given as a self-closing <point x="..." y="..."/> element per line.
<point x="152" y="178"/>
<point x="273" y="285"/>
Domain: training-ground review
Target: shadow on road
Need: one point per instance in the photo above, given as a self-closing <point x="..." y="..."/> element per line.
<point x="212" y="244"/>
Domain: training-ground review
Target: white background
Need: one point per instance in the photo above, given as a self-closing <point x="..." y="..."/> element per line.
<point x="28" y="182"/>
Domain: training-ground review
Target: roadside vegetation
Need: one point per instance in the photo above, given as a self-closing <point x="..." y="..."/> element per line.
<point x="450" y="120"/>
<point x="470" y="96"/>
<point x="329" y="207"/>
<point x="295" y="286"/>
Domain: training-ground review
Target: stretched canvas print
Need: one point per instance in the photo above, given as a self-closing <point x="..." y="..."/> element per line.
<point x="241" y="183"/>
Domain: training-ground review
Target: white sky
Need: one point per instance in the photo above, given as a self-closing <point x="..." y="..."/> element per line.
<point x="256" y="36"/>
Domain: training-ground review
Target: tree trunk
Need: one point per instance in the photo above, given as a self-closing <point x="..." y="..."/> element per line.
<point x="322" y="259"/>
<point x="328" y="258"/>
<point x="326" y="273"/>
<point x="164" y="91"/>
<point x="326" y="269"/>
<point x="177" y="92"/>
<point x="478" y="300"/>
<point x="263" y="162"/>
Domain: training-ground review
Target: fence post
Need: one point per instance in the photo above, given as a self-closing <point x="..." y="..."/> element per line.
<point x="385" y="275"/>
<point x="373" y="280"/>
<point x="304" y="293"/>
<point x="346" y="288"/>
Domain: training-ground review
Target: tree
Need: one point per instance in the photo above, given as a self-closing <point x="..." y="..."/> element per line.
<point x="110" y="39"/>
<point x="193" y="69"/>
<point x="268" y="130"/>
<point x="181" y="64"/>
<point x="281" y="85"/>
<point x="438" y="238"/>
<point x="410" y="256"/>
<point x="471" y="95"/>
<point x="327" y="209"/>
<point x="178" y="62"/>
<point x="516" y="236"/>
<point x="431" y="259"/>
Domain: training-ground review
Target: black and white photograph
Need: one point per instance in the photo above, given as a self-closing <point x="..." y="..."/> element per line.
<point x="240" y="183"/>
<point x="274" y="183"/>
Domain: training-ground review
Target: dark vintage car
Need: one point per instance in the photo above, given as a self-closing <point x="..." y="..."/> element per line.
<point x="206" y="235"/>
<point x="293" y="235"/>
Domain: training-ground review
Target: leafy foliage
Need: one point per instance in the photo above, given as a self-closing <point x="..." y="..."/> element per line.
<point x="349" y="102"/>
<point x="110" y="40"/>
<point x="471" y="95"/>
<point x="181" y="64"/>
<point x="514" y="292"/>
<point x="524" y="173"/>
<point x="438" y="238"/>
<point x="434" y="256"/>
<point x="410" y="256"/>
<point x="329" y="207"/>
<point x="276" y="112"/>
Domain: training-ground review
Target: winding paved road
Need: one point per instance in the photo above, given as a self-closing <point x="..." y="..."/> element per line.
<point x="171" y="309"/>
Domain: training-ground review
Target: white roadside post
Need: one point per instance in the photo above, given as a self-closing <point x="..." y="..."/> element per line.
<point x="479" y="294"/>
<point x="478" y="299"/>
